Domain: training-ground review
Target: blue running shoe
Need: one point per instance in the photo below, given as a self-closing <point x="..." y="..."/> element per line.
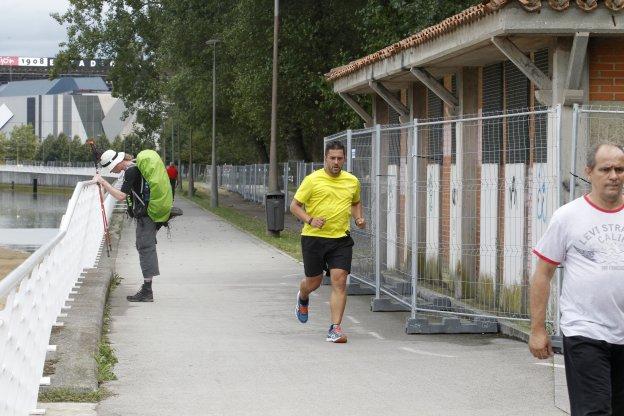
<point x="336" y="335"/>
<point x="301" y="311"/>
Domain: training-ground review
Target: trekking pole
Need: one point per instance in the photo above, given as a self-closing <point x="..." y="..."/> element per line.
<point x="91" y="143"/>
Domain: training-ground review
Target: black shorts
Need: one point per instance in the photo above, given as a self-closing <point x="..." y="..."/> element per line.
<point x="320" y="252"/>
<point x="595" y="376"/>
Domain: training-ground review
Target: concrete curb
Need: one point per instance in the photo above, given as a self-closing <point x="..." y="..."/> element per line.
<point x="72" y="367"/>
<point x="513" y="330"/>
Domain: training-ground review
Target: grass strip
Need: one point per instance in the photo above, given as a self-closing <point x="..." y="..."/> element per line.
<point x="71" y="396"/>
<point x="105" y="360"/>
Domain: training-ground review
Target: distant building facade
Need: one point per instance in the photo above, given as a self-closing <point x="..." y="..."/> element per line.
<point x="75" y="106"/>
<point x="21" y="68"/>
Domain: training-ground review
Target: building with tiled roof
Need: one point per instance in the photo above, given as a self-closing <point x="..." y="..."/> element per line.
<point x="573" y="34"/>
<point x="474" y="126"/>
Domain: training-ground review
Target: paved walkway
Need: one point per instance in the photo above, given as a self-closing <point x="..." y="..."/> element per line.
<point x="221" y="339"/>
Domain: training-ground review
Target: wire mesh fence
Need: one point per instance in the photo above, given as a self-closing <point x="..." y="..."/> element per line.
<point x="592" y="124"/>
<point x="251" y="181"/>
<point x="455" y="207"/>
<point x="488" y="199"/>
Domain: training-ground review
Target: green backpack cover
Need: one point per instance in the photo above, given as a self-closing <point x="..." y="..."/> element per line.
<point x="153" y="170"/>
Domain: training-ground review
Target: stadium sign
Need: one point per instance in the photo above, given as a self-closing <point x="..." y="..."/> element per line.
<point x="48" y="62"/>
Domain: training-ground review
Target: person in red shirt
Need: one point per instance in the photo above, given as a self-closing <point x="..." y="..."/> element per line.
<point x="172" y="172"/>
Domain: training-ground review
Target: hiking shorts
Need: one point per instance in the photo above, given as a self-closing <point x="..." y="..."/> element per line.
<point x="320" y="253"/>
<point x="146" y="246"/>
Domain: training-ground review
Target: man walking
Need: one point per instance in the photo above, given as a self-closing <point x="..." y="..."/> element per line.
<point x="149" y="204"/>
<point x="330" y="196"/>
<point x="586" y="236"/>
<point x="172" y="173"/>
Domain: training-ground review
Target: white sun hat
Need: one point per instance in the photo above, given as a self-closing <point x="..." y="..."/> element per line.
<point x="110" y="159"/>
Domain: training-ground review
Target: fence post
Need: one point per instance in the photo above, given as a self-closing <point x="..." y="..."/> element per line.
<point x="255" y="181"/>
<point x="414" y="213"/>
<point x="377" y="194"/>
<point x="575" y="119"/>
<point x="286" y="186"/>
<point x="348" y="155"/>
<point x="265" y="168"/>
<point x="559" y="122"/>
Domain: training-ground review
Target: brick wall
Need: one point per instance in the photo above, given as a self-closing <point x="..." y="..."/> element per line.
<point x="606" y="69"/>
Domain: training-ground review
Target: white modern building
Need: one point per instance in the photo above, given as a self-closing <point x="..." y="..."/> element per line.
<point x="75" y="106"/>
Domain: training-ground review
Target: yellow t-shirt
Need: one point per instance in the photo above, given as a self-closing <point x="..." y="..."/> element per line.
<point x="331" y="198"/>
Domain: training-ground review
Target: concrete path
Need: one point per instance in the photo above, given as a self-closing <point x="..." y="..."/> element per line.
<point x="221" y="339"/>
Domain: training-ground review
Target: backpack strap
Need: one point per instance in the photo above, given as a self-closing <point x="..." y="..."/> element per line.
<point x="142" y="186"/>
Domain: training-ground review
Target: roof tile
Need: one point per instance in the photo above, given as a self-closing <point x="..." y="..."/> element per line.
<point x="463" y="18"/>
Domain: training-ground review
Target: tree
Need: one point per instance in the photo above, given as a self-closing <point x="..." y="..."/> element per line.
<point x="163" y="64"/>
<point x="79" y="151"/>
<point x="3" y="146"/>
<point x="23" y="143"/>
<point x="118" y="144"/>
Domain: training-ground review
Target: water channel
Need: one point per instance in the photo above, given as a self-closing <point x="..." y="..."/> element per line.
<point x="28" y="220"/>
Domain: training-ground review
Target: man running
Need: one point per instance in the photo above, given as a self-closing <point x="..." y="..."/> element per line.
<point x="330" y="196"/>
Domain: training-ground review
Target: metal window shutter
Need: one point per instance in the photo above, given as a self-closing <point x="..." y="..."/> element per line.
<point x="434" y="111"/>
<point x="394" y="137"/>
<point x="517" y="91"/>
<point x="492" y="102"/>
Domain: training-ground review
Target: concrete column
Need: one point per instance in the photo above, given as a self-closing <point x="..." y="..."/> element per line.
<point x="382" y="117"/>
<point x="403" y="185"/>
<point x="448" y="269"/>
<point x="468" y="91"/>
<point x="419" y="111"/>
<point x="560" y="60"/>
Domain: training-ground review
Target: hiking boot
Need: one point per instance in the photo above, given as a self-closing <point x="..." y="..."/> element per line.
<point x="301" y="311"/>
<point x="336" y="335"/>
<point x="143" y="295"/>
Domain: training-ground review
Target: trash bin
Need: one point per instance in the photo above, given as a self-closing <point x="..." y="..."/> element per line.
<point x="275" y="211"/>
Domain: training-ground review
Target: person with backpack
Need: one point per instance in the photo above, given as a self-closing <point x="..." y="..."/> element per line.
<point x="147" y="191"/>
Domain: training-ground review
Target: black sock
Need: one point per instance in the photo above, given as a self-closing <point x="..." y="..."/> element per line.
<point x="147" y="285"/>
<point x="303" y="302"/>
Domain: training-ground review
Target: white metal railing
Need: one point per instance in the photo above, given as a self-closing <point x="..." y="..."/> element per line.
<point x="35" y="293"/>
<point x="56" y="170"/>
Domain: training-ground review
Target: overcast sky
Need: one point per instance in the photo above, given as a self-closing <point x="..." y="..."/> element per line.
<point x="26" y="28"/>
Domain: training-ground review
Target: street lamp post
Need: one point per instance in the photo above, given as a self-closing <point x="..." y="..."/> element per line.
<point x="273" y="146"/>
<point x="172" y="127"/>
<point x="214" y="191"/>
<point x="274" y="198"/>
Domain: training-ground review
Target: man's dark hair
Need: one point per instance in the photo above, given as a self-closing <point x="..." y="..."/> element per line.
<point x="591" y="155"/>
<point x="335" y="145"/>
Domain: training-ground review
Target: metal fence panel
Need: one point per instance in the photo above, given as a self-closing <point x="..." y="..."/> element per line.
<point x="483" y="208"/>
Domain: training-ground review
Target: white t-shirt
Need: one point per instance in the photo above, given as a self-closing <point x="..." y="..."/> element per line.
<point x="589" y="242"/>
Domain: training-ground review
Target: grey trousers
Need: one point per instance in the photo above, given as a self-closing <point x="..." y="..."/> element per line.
<point x="146" y="246"/>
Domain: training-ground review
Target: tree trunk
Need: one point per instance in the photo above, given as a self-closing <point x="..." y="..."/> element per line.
<point x="191" y="191"/>
<point x="294" y="143"/>
<point x="261" y="150"/>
